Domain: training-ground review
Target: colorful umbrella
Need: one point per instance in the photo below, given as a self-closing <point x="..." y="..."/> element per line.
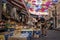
<point x="31" y="9"/>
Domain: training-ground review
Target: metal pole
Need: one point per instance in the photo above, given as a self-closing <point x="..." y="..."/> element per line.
<point x="55" y="17"/>
<point x="0" y="9"/>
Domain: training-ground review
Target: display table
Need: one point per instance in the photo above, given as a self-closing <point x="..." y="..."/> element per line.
<point x="31" y="31"/>
<point x="24" y="36"/>
<point x="27" y="30"/>
<point x="6" y="34"/>
<point x="3" y="33"/>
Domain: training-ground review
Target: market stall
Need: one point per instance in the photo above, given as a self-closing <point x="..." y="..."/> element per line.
<point x="27" y="27"/>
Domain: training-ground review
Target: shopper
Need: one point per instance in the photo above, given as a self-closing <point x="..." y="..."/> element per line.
<point x="43" y="25"/>
<point x="51" y="22"/>
<point x="45" y="28"/>
<point x="38" y="23"/>
<point x="51" y="25"/>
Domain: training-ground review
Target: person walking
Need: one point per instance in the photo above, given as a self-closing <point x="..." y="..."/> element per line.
<point x="43" y="26"/>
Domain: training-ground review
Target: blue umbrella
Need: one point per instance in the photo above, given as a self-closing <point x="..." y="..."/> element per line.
<point x="38" y="7"/>
<point x="37" y="10"/>
<point x="54" y="1"/>
<point x="28" y="5"/>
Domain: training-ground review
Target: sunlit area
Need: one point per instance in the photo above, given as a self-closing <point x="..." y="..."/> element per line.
<point x="29" y="19"/>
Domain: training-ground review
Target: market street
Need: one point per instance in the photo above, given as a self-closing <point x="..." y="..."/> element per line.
<point x="51" y="35"/>
<point x="29" y="19"/>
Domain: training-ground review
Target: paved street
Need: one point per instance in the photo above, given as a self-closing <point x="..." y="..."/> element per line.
<point x="52" y="35"/>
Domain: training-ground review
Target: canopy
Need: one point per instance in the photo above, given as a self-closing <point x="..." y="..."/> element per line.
<point x="38" y="7"/>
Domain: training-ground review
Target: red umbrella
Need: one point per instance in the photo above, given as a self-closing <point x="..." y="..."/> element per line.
<point x="31" y="9"/>
<point x="42" y="9"/>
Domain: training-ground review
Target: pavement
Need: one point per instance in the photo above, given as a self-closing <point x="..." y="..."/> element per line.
<point x="58" y="29"/>
<point x="51" y="35"/>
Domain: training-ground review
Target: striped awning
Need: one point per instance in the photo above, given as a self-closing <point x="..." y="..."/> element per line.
<point x="17" y="3"/>
<point x="20" y="4"/>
